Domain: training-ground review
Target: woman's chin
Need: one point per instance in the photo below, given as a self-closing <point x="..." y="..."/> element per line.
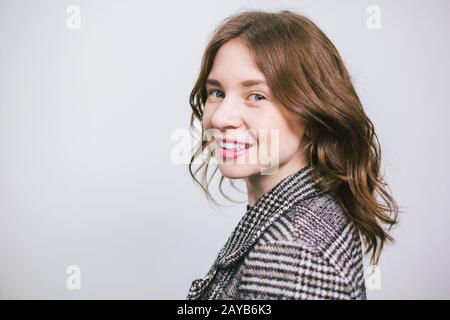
<point x="237" y="171"/>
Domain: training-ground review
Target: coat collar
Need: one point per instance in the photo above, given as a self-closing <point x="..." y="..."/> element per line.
<point x="294" y="188"/>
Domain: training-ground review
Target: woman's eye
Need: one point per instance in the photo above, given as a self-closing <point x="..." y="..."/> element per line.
<point x="258" y="97"/>
<point x="212" y="92"/>
<point x="221" y="95"/>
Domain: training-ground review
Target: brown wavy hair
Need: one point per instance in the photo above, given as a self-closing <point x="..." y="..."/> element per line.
<point x="306" y="74"/>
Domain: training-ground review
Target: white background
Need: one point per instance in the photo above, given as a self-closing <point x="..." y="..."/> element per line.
<point x="86" y="117"/>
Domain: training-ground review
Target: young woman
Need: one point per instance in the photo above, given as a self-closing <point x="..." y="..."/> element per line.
<point x="314" y="195"/>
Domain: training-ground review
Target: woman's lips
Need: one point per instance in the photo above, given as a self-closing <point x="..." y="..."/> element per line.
<point x="233" y="154"/>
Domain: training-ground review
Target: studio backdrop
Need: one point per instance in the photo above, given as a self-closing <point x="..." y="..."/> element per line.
<point x="96" y="200"/>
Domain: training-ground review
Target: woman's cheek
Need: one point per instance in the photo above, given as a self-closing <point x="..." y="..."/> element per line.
<point x="206" y="122"/>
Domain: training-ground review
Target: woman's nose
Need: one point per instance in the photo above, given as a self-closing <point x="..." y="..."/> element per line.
<point x="227" y="115"/>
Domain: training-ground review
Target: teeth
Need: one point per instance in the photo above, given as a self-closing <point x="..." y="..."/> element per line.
<point x="233" y="146"/>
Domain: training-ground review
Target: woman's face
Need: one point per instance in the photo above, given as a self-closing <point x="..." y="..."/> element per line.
<point x="243" y="111"/>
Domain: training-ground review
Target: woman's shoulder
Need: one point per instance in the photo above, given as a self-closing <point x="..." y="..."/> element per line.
<point x="319" y="228"/>
<point x="318" y="223"/>
<point x="312" y="251"/>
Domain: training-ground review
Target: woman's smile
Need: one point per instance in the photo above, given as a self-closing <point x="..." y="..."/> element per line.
<point x="231" y="150"/>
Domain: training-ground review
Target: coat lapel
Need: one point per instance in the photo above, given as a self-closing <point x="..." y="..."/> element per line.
<point x="294" y="188"/>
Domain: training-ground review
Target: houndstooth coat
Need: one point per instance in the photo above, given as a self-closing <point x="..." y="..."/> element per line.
<point x="294" y="243"/>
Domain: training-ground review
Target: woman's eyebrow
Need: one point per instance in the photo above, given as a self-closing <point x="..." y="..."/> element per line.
<point x="245" y="83"/>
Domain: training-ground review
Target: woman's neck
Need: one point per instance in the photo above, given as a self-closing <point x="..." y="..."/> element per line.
<point x="258" y="184"/>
